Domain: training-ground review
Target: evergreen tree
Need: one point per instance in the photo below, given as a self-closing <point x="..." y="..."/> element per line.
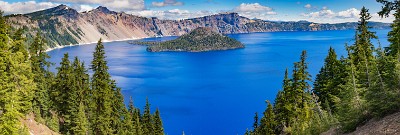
<point x="327" y="80"/>
<point x="158" y="126"/>
<point x="351" y="107"/>
<point x="362" y="50"/>
<point x="61" y="92"/>
<point x="43" y="77"/>
<point x="79" y="122"/>
<point x="119" y="110"/>
<point x="148" y="127"/>
<point x="283" y="105"/>
<point x="268" y="123"/>
<point x="102" y="93"/>
<point x="75" y="119"/>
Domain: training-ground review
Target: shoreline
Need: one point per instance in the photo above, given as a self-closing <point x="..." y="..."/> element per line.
<point x="104" y="41"/>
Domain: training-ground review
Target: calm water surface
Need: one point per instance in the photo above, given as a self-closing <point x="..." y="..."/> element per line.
<point x="217" y="92"/>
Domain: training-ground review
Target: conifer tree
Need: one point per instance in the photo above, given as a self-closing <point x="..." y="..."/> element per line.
<point x="158" y="126"/>
<point x="43" y="77"/>
<point x="283" y="107"/>
<point x="327" y="80"/>
<point x="119" y="110"/>
<point x="102" y="93"/>
<point x="61" y="92"/>
<point x="75" y="118"/>
<point x="268" y="123"/>
<point x="362" y="50"/>
<point x="148" y="127"/>
<point x="79" y="122"/>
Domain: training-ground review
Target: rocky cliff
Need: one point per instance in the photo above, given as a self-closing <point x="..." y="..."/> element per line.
<point x="63" y="25"/>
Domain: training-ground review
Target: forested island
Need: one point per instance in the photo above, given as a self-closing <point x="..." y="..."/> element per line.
<point x="198" y="40"/>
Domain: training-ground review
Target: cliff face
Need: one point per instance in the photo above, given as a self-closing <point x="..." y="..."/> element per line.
<point x="62" y="25"/>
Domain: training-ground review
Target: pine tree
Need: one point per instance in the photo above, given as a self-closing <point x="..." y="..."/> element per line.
<point x="75" y="118"/>
<point x="61" y="92"/>
<point x="158" y="126"/>
<point x="148" y="127"/>
<point x="327" y="80"/>
<point x="268" y="123"/>
<point x="43" y="77"/>
<point x="362" y="50"/>
<point x="80" y="122"/>
<point x="135" y="113"/>
<point x="102" y="93"/>
<point x="255" y="124"/>
<point x="119" y="110"/>
<point x="283" y="107"/>
<point x="351" y="107"/>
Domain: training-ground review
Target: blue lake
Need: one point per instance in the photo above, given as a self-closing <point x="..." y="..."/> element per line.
<point x="217" y="92"/>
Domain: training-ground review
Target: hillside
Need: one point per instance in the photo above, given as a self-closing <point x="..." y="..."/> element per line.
<point x="198" y="40"/>
<point x="63" y="25"/>
<point x="388" y="125"/>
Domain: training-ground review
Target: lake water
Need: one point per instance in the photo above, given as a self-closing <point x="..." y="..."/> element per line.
<point x="217" y="92"/>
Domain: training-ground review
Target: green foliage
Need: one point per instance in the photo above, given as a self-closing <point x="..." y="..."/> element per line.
<point x="102" y="92"/>
<point x="43" y="77"/>
<point x="16" y="81"/>
<point x="329" y="77"/>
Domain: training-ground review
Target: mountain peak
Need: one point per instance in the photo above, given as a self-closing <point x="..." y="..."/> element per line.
<point x="102" y="9"/>
<point x="59" y="10"/>
<point x="62" y="6"/>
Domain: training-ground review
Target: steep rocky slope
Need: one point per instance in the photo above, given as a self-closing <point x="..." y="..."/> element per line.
<point x="63" y="25"/>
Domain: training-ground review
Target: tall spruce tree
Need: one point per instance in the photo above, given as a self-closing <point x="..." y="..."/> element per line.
<point x="362" y="50"/>
<point x="327" y="80"/>
<point x="158" y="125"/>
<point x="43" y="77"/>
<point x="268" y="123"/>
<point x="75" y="118"/>
<point x="102" y="93"/>
<point x="148" y="127"/>
<point x="61" y="92"/>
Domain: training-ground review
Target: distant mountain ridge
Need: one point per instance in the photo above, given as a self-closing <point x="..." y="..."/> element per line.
<point x="63" y="25"/>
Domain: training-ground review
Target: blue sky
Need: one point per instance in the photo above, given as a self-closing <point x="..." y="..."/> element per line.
<point x="321" y="11"/>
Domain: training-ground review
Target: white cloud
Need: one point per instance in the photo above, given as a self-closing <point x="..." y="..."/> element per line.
<point x="255" y="10"/>
<point x="83" y="1"/>
<point x="308" y="6"/>
<point x="252" y="7"/>
<point x="24" y="7"/>
<point x="85" y="8"/>
<point x="173" y="14"/>
<point x="125" y="5"/>
<point x="167" y="3"/>
<point x="349" y="13"/>
<point x="326" y="15"/>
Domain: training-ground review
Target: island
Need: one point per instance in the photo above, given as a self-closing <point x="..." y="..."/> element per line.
<point x="198" y="40"/>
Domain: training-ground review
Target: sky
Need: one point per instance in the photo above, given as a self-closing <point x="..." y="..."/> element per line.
<point x="319" y="11"/>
